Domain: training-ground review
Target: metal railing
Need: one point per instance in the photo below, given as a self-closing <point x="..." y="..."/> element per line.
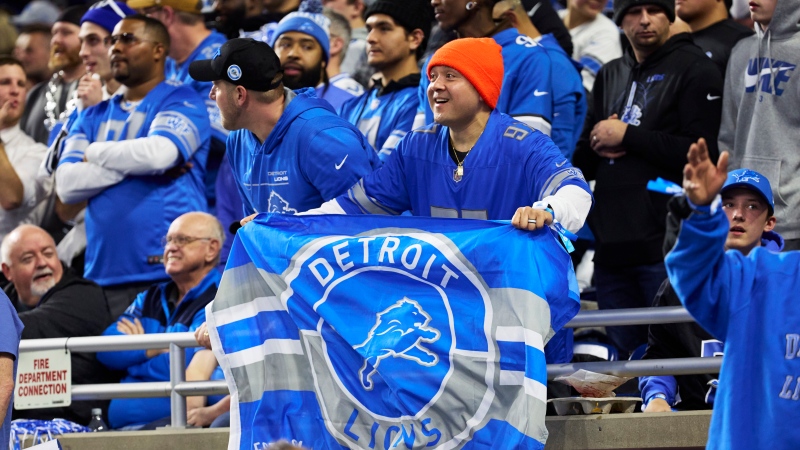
<point x="177" y="388"/>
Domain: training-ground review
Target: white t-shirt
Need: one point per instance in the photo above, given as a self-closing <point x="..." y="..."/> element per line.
<point x="26" y="156"/>
<point x="594" y="44"/>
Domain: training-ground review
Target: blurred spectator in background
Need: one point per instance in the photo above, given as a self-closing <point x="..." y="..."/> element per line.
<point x="648" y="107"/>
<point x="37" y="12"/>
<point x="760" y="117"/>
<point x="251" y="18"/>
<point x="33" y="51"/>
<point x="569" y="97"/>
<point x="51" y="103"/>
<point x="191" y="253"/>
<point x="303" y="45"/>
<point x="712" y="29"/>
<point x="22" y="196"/>
<point x="398" y="36"/>
<point x="596" y="38"/>
<point x="339" y="41"/>
<point x="355" y="59"/>
<point x="8" y="33"/>
<point x="52" y="302"/>
<point x="190" y="40"/>
<point x="139" y="160"/>
<point x="544" y="17"/>
<point x="748" y="203"/>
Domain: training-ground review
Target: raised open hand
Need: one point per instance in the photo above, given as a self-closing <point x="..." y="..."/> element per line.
<point x="702" y="180"/>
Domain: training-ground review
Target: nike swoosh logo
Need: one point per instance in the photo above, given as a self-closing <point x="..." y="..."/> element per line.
<point x="562" y="163"/>
<point x="339" y="166"/>
<point x="532" y="11"/>
<point x="752" y="80"/>
<point x="712" y="97"/>
<point x="538" y="93"/>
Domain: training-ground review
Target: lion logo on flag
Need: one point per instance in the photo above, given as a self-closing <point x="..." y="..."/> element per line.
<point x="399" y="331"/>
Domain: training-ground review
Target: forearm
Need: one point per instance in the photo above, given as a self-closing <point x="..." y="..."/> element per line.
<point x="329" y="207"/>
<point x="76" y="182"/>
<point x="6" y="383"/>
<point x="667" y="385"/>
<point x="12" y="192"/>
<point x="571" y="205"/>
<point x="143" y="156"/>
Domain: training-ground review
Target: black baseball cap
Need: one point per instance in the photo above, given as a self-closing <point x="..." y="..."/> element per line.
<point x="244" y="62"/>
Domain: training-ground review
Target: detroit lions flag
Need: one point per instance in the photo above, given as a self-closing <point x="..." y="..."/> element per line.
<point x="378" y="332"/>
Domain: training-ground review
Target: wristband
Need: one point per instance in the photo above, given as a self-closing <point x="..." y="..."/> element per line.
<point x="650" y="398"/>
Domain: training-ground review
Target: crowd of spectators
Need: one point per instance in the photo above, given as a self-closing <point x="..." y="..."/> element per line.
<point x="134" y="138"/>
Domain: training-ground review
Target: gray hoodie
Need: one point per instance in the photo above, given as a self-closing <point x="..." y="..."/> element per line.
<point x="761" y="110"/>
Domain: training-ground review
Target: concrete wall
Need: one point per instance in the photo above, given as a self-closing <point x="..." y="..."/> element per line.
<point x="664" y="430"/>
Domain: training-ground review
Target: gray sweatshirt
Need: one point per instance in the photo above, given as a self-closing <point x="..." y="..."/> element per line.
<point x="760" y="124"/>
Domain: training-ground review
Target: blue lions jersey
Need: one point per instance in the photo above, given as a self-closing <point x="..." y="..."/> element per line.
<point x="180" y="72"/>
<point x="527" y="87"/>
<point x="569" y="98"/>
<point x="311" y="156"/>
<point x="126" y="221"/>
<point x="511" y="165"/>
<point x="383" y="117"/>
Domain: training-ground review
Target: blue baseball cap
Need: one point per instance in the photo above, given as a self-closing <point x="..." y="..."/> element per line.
<point x="312" y="24"/>
<point x="750" y="179"/>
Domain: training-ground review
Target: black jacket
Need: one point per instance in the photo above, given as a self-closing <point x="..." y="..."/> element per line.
<point x="676" y="99"/>
<point x="73" y="307"/>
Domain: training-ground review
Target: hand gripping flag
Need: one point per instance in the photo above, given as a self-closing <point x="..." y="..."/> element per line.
<point x="378" y="332"/>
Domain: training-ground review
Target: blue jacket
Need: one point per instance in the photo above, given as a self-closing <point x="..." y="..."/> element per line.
<point x="311" y="156"/>
<point x="749" y="303"/>
<point x="151" y="307"/>
<point x="687" y="340"/>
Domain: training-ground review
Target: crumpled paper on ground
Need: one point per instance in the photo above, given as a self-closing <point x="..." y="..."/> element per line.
<point x="593" y="384"/>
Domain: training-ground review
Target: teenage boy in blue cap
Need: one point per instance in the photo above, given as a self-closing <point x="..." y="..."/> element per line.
<point x="749" y="303"/>
<point x="748" y="203"/>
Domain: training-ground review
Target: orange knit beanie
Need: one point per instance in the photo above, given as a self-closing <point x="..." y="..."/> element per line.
<point x="480" y="61"/>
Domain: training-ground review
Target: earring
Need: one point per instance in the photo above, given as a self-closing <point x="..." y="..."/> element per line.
<point x="471" y="5"/>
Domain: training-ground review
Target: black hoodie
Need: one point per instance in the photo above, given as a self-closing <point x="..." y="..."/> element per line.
<point x="669" y="101"/>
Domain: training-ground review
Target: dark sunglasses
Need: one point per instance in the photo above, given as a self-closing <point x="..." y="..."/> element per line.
<point x="126" y="39"/>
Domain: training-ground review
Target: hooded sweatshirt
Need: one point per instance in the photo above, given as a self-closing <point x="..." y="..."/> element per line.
<point x="310" y="156"/>
<point x="760" y="116"/>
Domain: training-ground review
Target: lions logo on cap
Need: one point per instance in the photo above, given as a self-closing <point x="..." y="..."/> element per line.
<point x="234" y="72"/>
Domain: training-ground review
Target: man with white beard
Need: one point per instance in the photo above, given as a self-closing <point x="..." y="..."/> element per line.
<point x="52" y="302"/>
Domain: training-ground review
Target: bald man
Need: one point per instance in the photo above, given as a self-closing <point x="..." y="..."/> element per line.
<point x="191" y="252"/>
<point x="53" y="302"/>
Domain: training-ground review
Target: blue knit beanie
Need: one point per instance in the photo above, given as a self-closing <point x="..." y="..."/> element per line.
<point x="314" y="25"/>
<point x="107" y="14"/>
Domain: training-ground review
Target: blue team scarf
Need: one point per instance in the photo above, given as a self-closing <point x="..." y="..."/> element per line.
<point x="375" y="331"/>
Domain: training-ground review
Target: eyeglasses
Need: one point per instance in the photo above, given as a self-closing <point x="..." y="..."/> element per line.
<point x="181" y="240"/>
<point x="126" y="39"/>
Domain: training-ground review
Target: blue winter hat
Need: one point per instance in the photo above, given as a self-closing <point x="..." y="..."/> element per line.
<point x="312" y="24"/>
<point x="107" y="14"/>
<point x="750" y="179"/>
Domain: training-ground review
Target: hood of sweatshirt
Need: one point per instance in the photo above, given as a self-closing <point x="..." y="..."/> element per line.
<point x="772" y="241"/>
<point x="784" y="23"/>
<point x="297" y="103"/>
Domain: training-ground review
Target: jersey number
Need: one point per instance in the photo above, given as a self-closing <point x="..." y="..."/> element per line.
<point x="516" y="133"/>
